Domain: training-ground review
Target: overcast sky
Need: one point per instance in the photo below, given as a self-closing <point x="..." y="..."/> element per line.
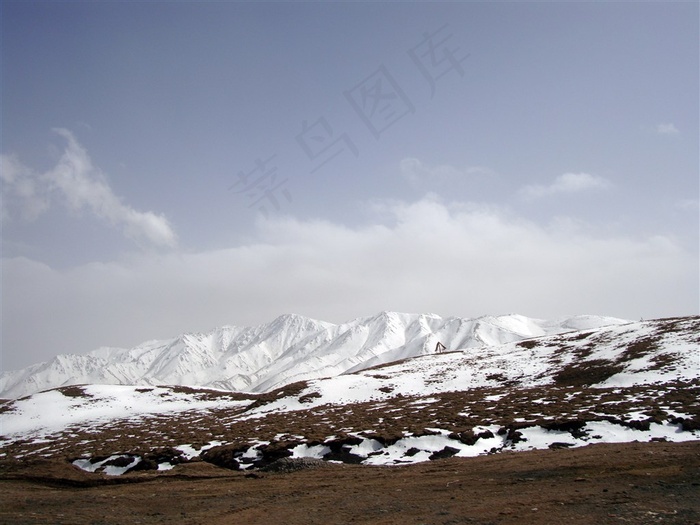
<point x="174" y="167"/>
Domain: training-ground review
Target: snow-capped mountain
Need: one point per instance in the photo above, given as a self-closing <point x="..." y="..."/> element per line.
<point x="633" y="382"/>
<point x="290" y="348"/>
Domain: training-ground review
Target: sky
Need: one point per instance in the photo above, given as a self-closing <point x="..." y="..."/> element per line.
<point x="174" y="167"/>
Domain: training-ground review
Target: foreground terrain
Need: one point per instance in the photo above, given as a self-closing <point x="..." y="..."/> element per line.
<point x="634" y="483"/>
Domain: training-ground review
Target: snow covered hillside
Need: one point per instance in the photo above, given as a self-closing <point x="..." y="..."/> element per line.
<point x="290" y="348"/>
<point x="624" y="382"/>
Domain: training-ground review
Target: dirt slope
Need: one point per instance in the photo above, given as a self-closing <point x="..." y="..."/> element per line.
<point x="635" y="483"/>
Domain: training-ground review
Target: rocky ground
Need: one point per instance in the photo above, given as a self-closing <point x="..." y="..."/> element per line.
<point x="508" y="411"/>
<point x="634" y="483"/>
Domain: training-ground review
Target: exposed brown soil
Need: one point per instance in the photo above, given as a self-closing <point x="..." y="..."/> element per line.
<point x="635" y="483"/>
<point x="386" y="421"/>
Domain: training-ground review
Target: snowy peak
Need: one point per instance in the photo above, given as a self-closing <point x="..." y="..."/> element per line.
<point x="289" y="348"/>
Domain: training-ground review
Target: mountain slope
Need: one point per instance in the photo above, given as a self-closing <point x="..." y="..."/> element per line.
<point x="621" y="383"/>
<point x="290" y="348"/>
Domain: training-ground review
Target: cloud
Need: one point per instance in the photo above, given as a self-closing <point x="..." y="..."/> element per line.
<point x="21" y="191"/>
<point x="667" y="129"/>
<point x="480" y="170"/>
<point x="424" y="256"/>
<point x="566" y="183"/>
<point x="79" y="185"/>
<point x="688" y="204"/>
<point x="84" y="186"/>
<point x="420" y="174"/>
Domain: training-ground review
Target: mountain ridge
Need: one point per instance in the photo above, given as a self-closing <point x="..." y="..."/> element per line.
<point x="289" y="348"/>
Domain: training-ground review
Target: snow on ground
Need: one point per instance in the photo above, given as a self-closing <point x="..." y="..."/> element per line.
<point x="53" y="411"/>
<point x="189" y="452"/>
<point x="415" y="449"/>
<point x="103" y="466"/>
<point x="528" y="365"/>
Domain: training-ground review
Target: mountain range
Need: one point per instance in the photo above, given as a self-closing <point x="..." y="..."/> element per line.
<point x="623" y="382"/>
<point x="290" y="348"/>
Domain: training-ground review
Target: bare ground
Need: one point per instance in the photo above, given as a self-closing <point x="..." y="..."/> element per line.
<point x="635" y="483"/>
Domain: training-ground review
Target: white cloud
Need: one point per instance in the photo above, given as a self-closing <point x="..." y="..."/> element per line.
<point x="79" y="185"/>
<point x="566" y="183"/>
<point x="451" y="259"/>
<point x="667" y="129"/>
<point x="688" y="204"/>
<point x="480" y="170"/>
<point x="420" y="174"/>
<point x="21" y="190"/>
